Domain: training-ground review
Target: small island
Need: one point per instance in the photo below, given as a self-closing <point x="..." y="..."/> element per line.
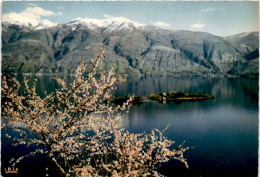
<point x="179" y="96"/>
<point x="121" y="100"/>
<point x="173" y="96"/>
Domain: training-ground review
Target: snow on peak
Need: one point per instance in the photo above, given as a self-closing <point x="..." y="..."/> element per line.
<point x="38" y="25"/>
<point x="114" y="23"/>
<point x="36" y="22"/>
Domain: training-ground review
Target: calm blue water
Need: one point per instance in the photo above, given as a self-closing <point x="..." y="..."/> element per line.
<point x="223" y="131"/>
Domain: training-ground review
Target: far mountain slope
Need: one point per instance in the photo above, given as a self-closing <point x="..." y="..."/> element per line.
<point x="129" y="49"/>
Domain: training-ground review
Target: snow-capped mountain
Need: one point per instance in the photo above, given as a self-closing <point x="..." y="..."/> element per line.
<point x="133" y="48"/>
<point x="114" y="23"/>
<point x="27" y="22"/>
<point x="109" y="23"/>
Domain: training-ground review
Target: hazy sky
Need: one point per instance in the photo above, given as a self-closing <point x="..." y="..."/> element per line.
<point x="219" y="18"/>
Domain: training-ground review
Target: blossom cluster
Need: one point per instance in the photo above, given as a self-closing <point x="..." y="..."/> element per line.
<point x="80" y="130"/>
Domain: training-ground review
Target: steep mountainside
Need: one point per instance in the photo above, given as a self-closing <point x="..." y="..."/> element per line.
<point x="247" y="45"/>
<point x="129" y="49"/>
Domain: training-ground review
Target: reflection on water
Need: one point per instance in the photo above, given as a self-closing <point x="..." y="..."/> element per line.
<point x="223" y="130"/>
<point x="236" y="90"/>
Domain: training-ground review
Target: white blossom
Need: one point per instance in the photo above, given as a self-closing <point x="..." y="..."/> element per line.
<point x="80" y="131"/>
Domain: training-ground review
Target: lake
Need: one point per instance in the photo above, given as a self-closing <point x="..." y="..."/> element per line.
<point x="223" y="131"/>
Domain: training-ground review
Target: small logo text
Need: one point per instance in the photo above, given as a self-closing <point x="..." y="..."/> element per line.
<point x="11" y="170"/>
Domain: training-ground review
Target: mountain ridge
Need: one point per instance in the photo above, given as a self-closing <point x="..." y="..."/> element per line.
<point x="129" y="49"/>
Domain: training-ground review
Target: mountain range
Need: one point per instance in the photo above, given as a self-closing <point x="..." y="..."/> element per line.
<point x="131" y="48"/>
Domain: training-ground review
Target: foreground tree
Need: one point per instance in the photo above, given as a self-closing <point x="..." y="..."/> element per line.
<point x="80" y="130"/>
